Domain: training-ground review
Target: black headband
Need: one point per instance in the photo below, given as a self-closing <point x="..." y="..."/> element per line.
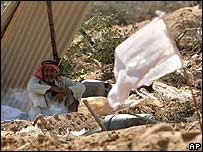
<point x="49" y="62"/>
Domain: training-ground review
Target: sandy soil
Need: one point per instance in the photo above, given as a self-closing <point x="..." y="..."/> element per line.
<point x="162" y="136"/>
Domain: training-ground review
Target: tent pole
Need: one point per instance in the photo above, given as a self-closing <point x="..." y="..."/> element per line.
<point x="52" y="31"/>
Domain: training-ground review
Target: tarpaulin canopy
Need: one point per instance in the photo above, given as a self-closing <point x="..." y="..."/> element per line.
<point x="25" y="37"/>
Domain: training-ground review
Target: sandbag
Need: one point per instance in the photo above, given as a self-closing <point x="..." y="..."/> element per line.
<point x="96" y="88"/>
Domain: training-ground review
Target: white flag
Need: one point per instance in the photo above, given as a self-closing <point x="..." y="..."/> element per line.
<point x="147" y="55"/>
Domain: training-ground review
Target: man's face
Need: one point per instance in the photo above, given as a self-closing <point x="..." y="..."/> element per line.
<point x="49" y="73"/>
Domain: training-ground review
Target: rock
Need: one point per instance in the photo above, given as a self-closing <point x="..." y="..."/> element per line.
<point x="199" y="85"/>
<point x="42" y="138"/>
<point x="100" y="105"/>
<point x="197" y="74"/>
<point x="29" y="130"/>
<point x="96" y="88"/>
<point x="196" y="59"/>
<point x="137" y="102"/>
<point x="171" y="92"/>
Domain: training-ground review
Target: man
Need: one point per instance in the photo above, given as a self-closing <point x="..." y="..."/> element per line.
<point x="47" y="88"/>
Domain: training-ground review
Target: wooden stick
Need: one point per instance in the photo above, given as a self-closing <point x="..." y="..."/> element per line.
<point x="52" y="31"/>
<point x="194" y="99"/>
<point x="45" y="124"/>
<point x="94" y="115"/>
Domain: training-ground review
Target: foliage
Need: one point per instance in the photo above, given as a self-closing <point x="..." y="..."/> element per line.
<point x="175" y="79"/>
<point x="190" y="37"/>
<point x="178" y="111"/>
<point x="96" y="39"/>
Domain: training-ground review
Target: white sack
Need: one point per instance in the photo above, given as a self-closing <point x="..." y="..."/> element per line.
<point x="17" y="98"/>
<point x="10" y="113"/>
<point x="147" y="55"/>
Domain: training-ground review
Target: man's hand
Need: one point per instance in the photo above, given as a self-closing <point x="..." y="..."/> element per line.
<point x="59" y="97"/>
<point x="61" y="90"/>
<point x="60" y="93"/>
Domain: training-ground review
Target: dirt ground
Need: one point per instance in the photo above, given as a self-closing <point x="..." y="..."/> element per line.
<point x="162" y="136"/>
<point x="171" y="105"/>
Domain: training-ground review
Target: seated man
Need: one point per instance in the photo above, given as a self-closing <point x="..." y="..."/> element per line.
<point x="47" y="88"/>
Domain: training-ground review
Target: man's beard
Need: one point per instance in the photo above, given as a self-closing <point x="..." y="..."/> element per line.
<point x="50" y="81"/>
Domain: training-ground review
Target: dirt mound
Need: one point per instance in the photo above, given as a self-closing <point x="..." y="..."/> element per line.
<point x="162" y="137"/>
<point x="71" y="121"/>
<point x="150" y="137"/>
<point x="20" y="135"/>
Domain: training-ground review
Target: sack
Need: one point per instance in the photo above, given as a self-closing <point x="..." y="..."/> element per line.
<point x="17" y="98"/>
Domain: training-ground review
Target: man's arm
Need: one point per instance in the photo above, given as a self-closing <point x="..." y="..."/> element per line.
<point x="77" y="88"/>
<point x="61" y="90"/>
<point x="35" y="87"/>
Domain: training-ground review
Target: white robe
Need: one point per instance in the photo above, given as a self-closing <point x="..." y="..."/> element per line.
<point x="43" y="102"/>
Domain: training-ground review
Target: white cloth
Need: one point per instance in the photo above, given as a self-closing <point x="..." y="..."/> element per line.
<point x="37" y="91"/>
<point x="17" y="98"/>
<point x="9" y="113"/>
<point x="147" y="55"/>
